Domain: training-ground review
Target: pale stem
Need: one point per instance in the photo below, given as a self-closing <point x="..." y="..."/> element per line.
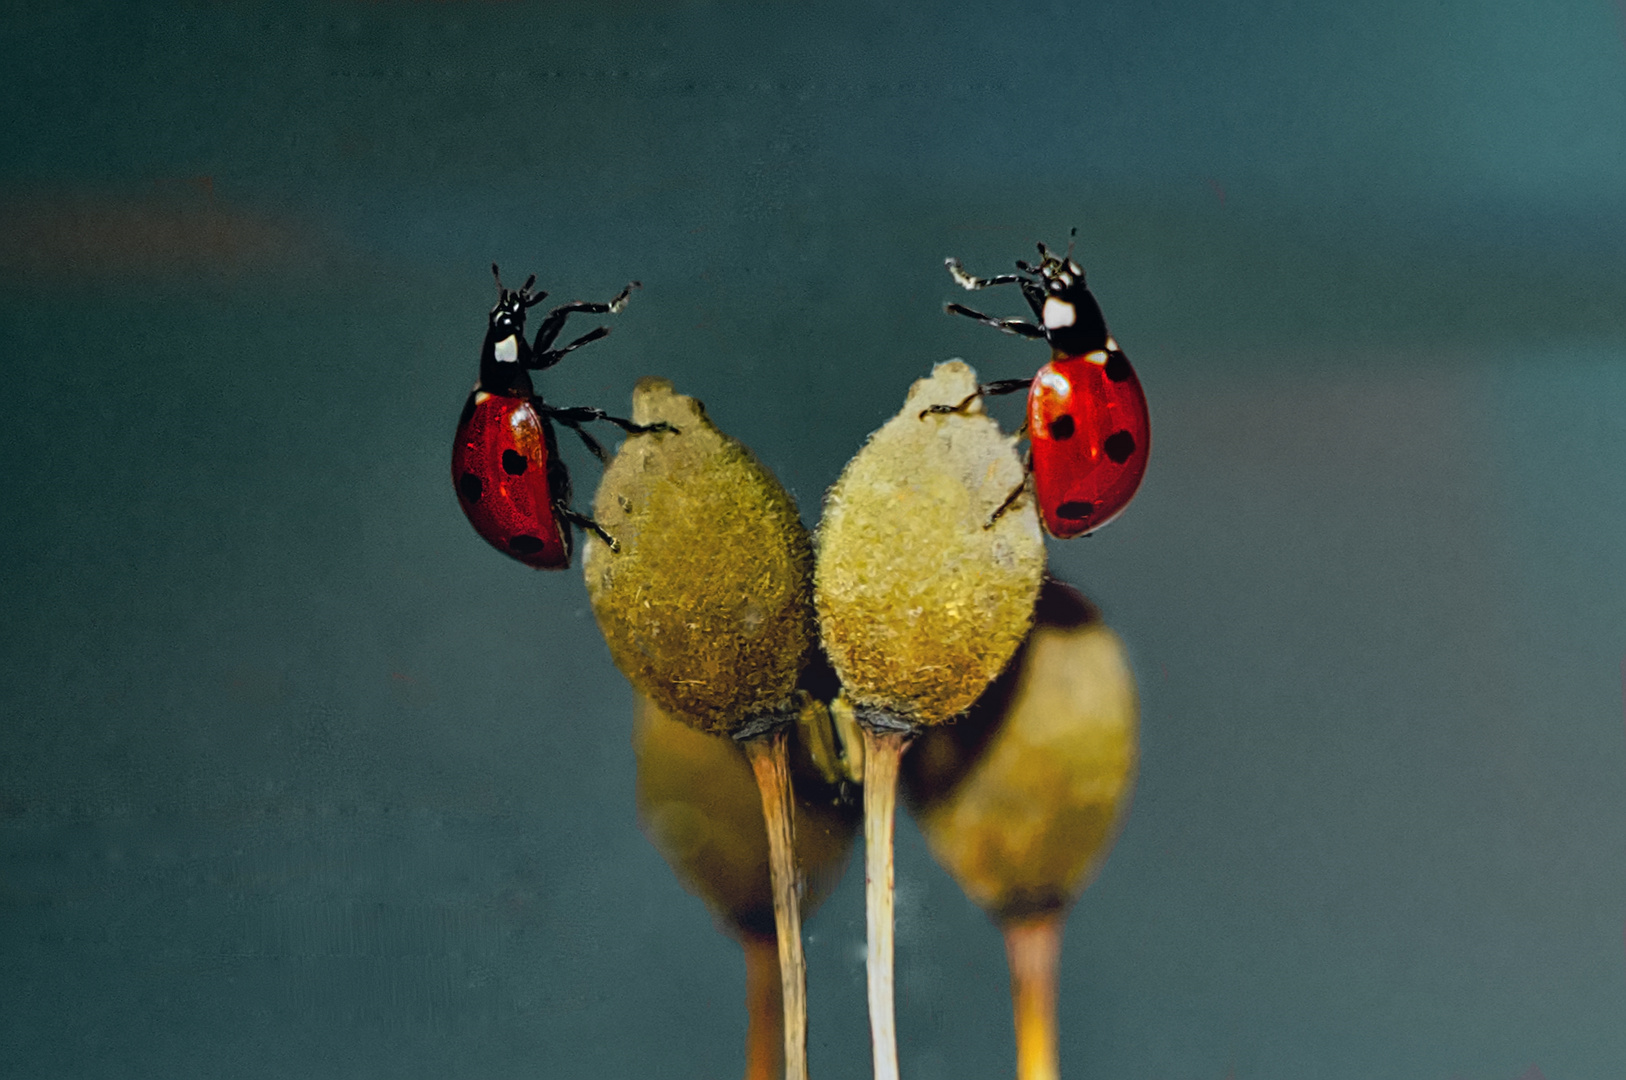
<point x="1033" y="947"/>
<point x="764" y="1000"/>
<point x="882" y="751"/>
<point x="770" y="761"/>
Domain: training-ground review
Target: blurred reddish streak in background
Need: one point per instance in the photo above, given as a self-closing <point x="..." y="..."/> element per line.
<point x="177" y="226"/>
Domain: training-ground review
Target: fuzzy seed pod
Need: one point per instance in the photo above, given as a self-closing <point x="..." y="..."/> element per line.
<point x="706" y="607"/>
<point x="921" y="601"/>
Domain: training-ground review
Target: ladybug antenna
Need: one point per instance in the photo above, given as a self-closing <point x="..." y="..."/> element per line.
<point x="1050" y="261"/>
<point x="1072" y="238"/>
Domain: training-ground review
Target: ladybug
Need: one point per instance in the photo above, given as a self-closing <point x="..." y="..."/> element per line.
<point x="510" y="479"/>
<point x="1087" y="426"/>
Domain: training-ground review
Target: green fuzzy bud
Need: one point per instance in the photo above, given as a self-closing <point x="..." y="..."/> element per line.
<point x="922" y="595"/>
<point x="706" y="606"/>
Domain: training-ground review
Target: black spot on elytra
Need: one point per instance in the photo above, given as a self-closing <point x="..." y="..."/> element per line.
<point x="1075" y="511"/>
<point x="1062" y="427"/>
<point x="1118" y="368"/>
<point x="470" y="487"/>
<point x="1119" y="445"/>
<point x="513" y="462"/>
<point x="525" y="544"/>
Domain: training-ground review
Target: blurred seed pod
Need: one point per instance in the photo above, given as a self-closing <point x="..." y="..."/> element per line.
<point x="921" y="602"/>
<point x="1022" y="798"/>
<point x="698" y="804"/>
<point x="707" y="605"/>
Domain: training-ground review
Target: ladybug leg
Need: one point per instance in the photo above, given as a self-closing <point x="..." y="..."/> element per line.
<point x="960" y="408"/>
<point x="1035" y="298"/>
<point x="588" y="441"/>
<point x="582" y="414"/>
<point x="582" y="521"/>
<point x="542" y="359"/>
<point x="1004" y="386"/>
<point x="970" y="281"/>
<point x="554" y="322"/>
<point x="1016" y="492"/>
<point x="993" y="389"/>
<point x="1009" y="326"/>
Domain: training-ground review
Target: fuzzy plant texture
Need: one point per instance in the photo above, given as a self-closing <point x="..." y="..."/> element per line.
<point x="707" y="606"/>
<point x="921" y="600"/>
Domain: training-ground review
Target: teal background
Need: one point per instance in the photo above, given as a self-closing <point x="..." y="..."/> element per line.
<point x="300" y="778"/>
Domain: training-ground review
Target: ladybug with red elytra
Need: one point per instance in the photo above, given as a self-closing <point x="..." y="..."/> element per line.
<point x="510" y="479"/>
<point x="1087" y="424"/>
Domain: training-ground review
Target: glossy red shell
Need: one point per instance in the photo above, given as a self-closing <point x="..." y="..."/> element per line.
<point x="1090" y="434"/>
<point x="500" y="469"/>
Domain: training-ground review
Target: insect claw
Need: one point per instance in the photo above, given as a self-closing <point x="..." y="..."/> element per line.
<point x="957" y="272"/>
<point x="621" y="301"/>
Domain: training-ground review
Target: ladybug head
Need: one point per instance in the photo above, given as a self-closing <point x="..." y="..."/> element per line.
<point x="1057" y="273"/>
<point x="1072" y="319"/>
<point x="508" y="317"/>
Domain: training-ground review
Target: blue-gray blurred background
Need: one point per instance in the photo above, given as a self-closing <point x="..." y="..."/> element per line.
<point x="299" y="778"/>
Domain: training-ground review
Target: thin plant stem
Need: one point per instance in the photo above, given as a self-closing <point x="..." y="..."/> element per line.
<point x="1033" y="947"/>
<point x="770" y="761"/>
<point x="882" y="751"/>
<point x="764" y="1002"/>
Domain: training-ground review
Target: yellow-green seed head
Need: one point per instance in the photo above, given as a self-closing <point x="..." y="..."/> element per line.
<point x="1022" y="799"/>
<point x="706" y="607"/>
<point x="921" y="602"/>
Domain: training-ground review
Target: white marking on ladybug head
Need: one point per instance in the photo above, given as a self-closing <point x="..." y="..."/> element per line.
<point x="506" y="350"/>
<point x="1058" y="313"/>
<point x="1099" y="356"/>
<point x="1112" y="344"/>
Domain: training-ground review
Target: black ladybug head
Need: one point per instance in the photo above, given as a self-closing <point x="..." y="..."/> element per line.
<point x="505" y="356"/>
<point x="1066" y="308"/>
<point x="508" y="317"/>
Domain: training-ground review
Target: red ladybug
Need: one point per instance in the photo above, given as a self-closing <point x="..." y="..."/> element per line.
<point x="1088" y="430"/>
<point x="510" y="479"/>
